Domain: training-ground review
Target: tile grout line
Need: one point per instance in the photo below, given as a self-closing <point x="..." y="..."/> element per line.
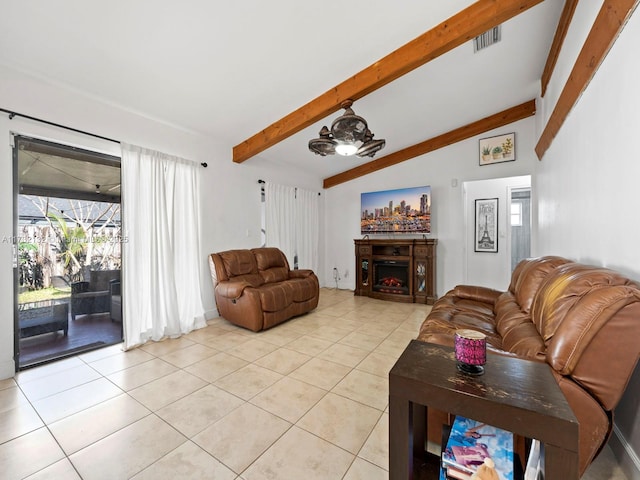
<point x="160" y="356"/>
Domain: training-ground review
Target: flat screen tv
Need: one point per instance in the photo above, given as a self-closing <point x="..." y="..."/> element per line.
<point x="404" y="210"/>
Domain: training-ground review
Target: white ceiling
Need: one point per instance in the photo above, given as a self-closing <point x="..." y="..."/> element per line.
<point x="230" y="69"/>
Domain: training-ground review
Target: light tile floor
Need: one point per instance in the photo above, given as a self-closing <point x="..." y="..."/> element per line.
<point x="306" y="399"/>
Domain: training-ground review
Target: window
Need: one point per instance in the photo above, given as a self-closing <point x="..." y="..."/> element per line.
<point x="516" y="214"/>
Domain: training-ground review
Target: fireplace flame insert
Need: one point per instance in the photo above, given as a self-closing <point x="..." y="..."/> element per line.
<point x="391" y="276"/>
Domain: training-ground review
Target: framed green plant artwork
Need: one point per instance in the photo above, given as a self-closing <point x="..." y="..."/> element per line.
<point x="501" y="148"/>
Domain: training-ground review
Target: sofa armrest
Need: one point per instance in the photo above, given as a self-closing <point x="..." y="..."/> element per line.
<point x="300" y="273"/>
<point x="232" y="290"/>
<point x="477" y="293"/>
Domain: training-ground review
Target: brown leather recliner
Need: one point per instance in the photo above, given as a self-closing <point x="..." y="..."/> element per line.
<point x="584" y="321"/>
<point x="256" y="289"/>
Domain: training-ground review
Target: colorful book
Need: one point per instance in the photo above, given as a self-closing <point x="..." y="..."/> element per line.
<point x="470" y="442"/>
<point x="443" y="473"/>
<point x="455" y="474"/>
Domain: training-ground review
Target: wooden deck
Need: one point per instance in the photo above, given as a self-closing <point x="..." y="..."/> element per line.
<point x="86" y="333"/>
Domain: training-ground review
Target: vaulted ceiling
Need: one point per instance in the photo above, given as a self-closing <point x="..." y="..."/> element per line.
<point x="231" y="70"/>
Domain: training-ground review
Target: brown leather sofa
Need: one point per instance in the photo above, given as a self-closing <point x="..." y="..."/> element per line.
<point x="584" y="321"/>
<point x="256" y="289"/>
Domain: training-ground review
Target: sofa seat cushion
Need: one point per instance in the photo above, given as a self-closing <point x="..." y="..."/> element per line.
<point x="466" y="319"/>
<point x="276" y="296"/>
<point x="508" y="313"/>
<point x="524" y="341"/>
<point x="458" y="304"/>
<point x="255" y="280"/>
<point x="448" y="324"/>
<point x="303" y="289"/>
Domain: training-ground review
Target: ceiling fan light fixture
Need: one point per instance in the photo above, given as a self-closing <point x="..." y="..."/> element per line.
<point x="349" y="135"/>
<point x="324" y="145"/>
<point x="349" y="127"/>
<point x="346" y="149"/>
<point x="369" y="149"/>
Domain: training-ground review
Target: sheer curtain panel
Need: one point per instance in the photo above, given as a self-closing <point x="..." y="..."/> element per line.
<point x="161" y="264"/>
<point x="292" y="223"/>
<point x="307" y="228"/>
<point x="280" y="219"/>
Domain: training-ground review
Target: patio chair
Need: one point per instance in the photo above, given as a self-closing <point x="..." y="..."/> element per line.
<point x="93" y="296"/>
<point x="115" y="297"/>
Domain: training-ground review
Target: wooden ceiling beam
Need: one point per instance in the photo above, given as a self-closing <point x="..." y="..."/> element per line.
<point x="497" y="120"/>
<point x="607" y="26"/>
<point x="558" y="40"/>
<point x="458" y="29"/>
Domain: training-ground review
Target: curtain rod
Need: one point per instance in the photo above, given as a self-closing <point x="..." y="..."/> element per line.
<point x="13" y="114"/>
<point x="263" y="182"/>
<point x="16" y="114"/>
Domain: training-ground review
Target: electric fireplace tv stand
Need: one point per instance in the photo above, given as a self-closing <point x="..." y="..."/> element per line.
<point x="401" y="270"/>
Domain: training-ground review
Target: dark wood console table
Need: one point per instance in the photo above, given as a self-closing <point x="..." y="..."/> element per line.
<point x="517" y="395"/>
<point x="409" y="265"/>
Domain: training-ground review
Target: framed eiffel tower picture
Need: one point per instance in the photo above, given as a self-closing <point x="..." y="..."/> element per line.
<point x="486" y="227"/>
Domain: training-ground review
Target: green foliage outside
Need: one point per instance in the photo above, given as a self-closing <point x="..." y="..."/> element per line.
<point x="30" y="266"/>
<point x="43" y="294"/>
<point x="78" y="245"/>
<point x="71" y="247"/>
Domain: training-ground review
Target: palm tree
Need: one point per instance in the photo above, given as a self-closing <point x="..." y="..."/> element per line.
<point x="72" y="246"/>
<point x="85" y="233"/>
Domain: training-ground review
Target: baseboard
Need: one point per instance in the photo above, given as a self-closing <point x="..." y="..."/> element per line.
<point x="627" y="458"/>
<point x="7" y="370"/>
<point x="211" y="314"/>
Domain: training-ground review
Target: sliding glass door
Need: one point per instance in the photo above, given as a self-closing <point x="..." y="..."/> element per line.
<point x="67" y="237"/>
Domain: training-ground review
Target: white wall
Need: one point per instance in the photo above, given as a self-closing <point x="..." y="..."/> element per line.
<point x="491" y="270"/>
<point x="457" y="162"/>
<point x="230" y="192"/>
<point x="587" y="184"/>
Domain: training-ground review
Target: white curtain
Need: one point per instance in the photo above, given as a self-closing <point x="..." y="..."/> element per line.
<point x="292" y="223"/>
<point x="161" y="264"/>
<point x="307" y="228"/>
<point x="280" y="219"/>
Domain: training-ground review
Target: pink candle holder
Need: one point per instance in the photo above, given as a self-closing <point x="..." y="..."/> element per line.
<point x="470" y="351"/>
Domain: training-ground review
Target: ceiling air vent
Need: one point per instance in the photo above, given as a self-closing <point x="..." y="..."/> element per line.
<point x="487" y="39"/>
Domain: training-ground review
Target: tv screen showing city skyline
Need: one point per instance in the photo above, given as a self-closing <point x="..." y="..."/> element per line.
<point x="403" y="210"/>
